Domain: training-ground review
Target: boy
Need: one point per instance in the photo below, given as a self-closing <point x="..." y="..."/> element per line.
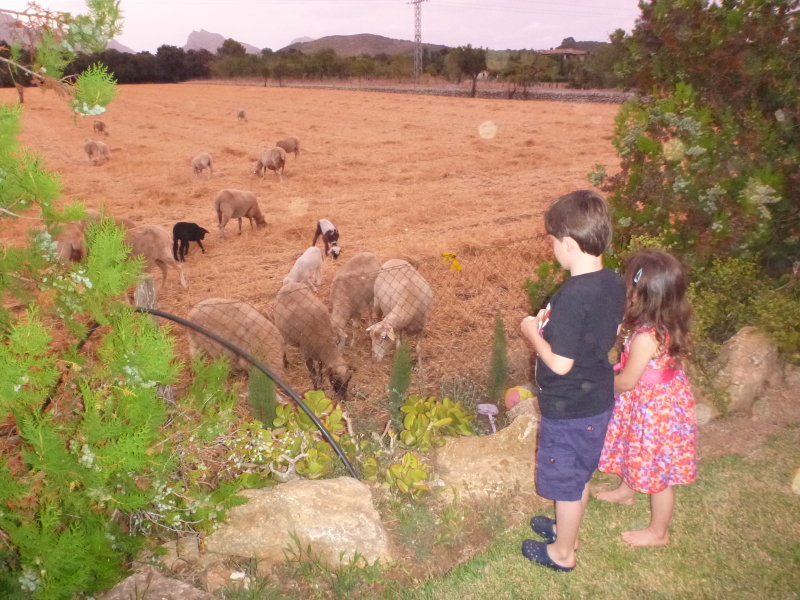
<point x="575" y="382"/>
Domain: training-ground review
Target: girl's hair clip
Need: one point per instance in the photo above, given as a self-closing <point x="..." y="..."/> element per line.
<point x="638" y="275"/>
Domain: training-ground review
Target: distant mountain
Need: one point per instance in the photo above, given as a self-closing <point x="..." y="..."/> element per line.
<point x="9" y="31"/>
<point x="205" y="40"/>
<point x="115" y="45"/>
<point x="362" y="43"/>
<point x="301" y="40"/>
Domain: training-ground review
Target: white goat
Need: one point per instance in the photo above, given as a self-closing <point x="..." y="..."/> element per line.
<point x="304" y="321"/>
<point x="273" y="159"/>
<point x="404" y="297"/>
<point x="289" y="145"/>
<point x="155" y="244"/>
<point x="352" y="291"/>
<point x="237" y="204"/>
<point x="307" y="269"/>
<point x="240" y="324"/>
<point x="97" y="151"/>
<point x="202" y="162"/>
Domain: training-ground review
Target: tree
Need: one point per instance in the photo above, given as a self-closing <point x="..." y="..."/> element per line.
<point x="471" y="62"/>
<point x="170" y="64"/>
<point x="525" y="68"/>
<point x="231" y="48"/>
<point x="709" y="159"/>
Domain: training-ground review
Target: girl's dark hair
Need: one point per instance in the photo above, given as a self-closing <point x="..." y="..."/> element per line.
<point x="656" y="283"/>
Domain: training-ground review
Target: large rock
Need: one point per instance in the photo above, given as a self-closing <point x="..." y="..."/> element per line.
<point x="152" y="586"/>
<point x="334" y="516"/>
<point x="490" y="466"/>
<point x="747" y="362"/>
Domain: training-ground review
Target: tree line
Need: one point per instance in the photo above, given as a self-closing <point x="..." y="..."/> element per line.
<point x="520" y="69"/>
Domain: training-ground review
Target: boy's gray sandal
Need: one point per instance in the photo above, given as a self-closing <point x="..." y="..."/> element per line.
<point x="544" y="526"/>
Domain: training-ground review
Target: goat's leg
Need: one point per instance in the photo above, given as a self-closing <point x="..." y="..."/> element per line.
<point x="181" y="276"/>
<point x="240" y="225"/>
<point x="184" y="249"/>
<point x="316" y="376"/>
<point x="199" y="243"/>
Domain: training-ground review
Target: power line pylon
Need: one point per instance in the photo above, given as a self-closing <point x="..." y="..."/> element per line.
<point x="417" y="38"/>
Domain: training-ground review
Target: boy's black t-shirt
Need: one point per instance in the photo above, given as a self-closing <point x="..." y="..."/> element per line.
<point x="584" y="315"/>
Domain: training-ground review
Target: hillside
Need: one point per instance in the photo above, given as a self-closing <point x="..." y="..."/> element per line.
<point x="362" y="43"/>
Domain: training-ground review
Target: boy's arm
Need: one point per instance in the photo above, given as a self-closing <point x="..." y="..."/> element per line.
<point x="560" y="365"/>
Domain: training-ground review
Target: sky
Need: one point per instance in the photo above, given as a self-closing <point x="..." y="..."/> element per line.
<point x="491" y="24"/>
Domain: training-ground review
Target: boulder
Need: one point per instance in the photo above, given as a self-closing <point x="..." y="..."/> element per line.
<point x="334" y="516"/>
<point x="747" y="362"/>
<point x="490" y="466"/>
<point x="152" y="586"/>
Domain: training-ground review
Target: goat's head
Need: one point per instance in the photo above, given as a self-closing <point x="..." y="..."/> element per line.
<point x="201" y="232"/>
<point x="383" y="338"/>
<point x="334" y="250"/>
<point x="339" y="376"/>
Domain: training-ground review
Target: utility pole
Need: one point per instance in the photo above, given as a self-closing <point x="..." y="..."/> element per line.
<point x="417" y="38"/>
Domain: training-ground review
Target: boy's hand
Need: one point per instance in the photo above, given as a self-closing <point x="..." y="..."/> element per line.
<point x="530" y="326"/>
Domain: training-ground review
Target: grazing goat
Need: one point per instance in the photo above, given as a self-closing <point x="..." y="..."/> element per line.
<point x="241" y="115"/>
<point x="71" y="243"/>
<point x="330" y="237"/>
<point x="304" y="321"/>
<point x="152" y="242"/>
<point x="242" y="325"/>
<point x="184" y="233"/>
<point x="289" y="145"/>
<point x="236" y="204"/>
<point x="202" y="162"/>
<point x="404" y="298"/>
<point x="352" y="291"/>
<point x="273" y="159"/>
<point x="99" y="126"/>
<point x="96" y="151"/>
<point x="307" y="269"/>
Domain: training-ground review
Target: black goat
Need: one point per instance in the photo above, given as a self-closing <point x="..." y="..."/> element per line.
<point x="330" y="237"/>
<point x="184" y="233"/>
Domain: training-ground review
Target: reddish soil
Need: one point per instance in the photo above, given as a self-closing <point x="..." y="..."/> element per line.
<point x="402" y="176"/>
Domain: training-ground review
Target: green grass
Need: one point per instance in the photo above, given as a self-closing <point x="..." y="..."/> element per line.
<point x="735" y="534"/>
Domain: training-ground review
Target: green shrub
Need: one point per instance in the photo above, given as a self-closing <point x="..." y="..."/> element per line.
<point x="428" y="420"/>
<point x="399" y="382"/>
<point x="498" y="368"/>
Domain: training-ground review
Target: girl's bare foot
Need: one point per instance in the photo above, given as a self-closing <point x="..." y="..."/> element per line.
<point x="621" y="495"/>
<point x="645" y="537"/>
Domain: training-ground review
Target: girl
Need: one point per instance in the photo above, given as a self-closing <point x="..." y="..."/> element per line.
<point x="651" y="438"/>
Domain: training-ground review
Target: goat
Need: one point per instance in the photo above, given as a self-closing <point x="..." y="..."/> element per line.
<point x="241" y="115"/>
<point x="99" y="126"/>
<point x="304" y="321"/>
<point x="184" y="233"/>
<point x="289" y="145"/>
<point x="242" y="325"/>
<point x="71" y="243"/>
<point x="352" y="291"/>
<point x="202" y="162"/>
<point x="330" y="237"/>
<point x="273" y="159"/>
<point x="236" y="204"/>
<point x="307" y="269"/>
<point x="152" y="242"/>
<point x="404" y="298"/>
<point x="96" y="151"/>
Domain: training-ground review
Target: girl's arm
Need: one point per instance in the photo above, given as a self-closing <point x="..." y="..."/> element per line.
<point x="643" y="347"/>
<point x="560" y="365"/>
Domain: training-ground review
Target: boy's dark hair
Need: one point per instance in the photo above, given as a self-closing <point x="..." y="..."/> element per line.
<point x="584" y="216"/>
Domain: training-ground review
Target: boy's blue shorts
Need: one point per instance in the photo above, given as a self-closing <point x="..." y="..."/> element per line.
<point x="567" y="455"/>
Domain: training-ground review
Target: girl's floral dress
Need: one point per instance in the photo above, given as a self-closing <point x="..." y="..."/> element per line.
<point x="651" y="439"/>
